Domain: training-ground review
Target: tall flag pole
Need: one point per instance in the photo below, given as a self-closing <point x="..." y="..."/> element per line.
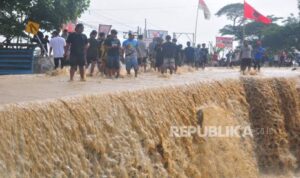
<point x="201" y="6"/>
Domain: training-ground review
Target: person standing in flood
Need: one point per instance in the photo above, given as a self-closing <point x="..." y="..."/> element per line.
<point x="45" y="42"/>
<point x="204" y="56"/>
<point x="246" y="56"/>
<point x="142" y="52"/>
<point x="169" y="53"/>
<point x="258" y="56"/>
<point x="102" y="54"/>
<point x="159" y="58"/>
<point x="77" y="43"/>
<point x="113" y="47"/>
<point x="130" y="52"/>
<point x="57" y="45"/>
<point x="198" y="56"/>
<point x="189" y="53"/>
<point x="92" y="52"/>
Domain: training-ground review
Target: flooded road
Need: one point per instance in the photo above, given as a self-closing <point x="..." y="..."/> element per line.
<point x="23" y="88"/>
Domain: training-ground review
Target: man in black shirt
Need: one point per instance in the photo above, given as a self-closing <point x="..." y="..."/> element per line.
<point x="78" y="43"/>
<point x="93" y="51"/>
<point x="177" y="54"/>
<point x="169" y="53"/>
<point x="204" y="56"/>
<point x="113" y="47"/>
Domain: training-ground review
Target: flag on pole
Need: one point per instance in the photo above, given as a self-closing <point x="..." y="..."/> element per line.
<point x="251" y="13"/>
<point x="202" y="5"/>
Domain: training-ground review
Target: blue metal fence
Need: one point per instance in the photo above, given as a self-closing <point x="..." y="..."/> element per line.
<point x="16" y="61"/>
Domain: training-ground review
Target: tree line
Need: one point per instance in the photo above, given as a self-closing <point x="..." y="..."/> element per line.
<point x="282" y="34"/>
<point x="50" y="14"/>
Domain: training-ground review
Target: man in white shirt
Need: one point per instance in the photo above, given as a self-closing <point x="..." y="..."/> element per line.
<point x="57" y="44"/>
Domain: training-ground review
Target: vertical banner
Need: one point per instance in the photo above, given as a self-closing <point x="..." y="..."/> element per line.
<point x="104" y="29"/>
<point x="224" y="42"/>
<point x="157" y="33"/>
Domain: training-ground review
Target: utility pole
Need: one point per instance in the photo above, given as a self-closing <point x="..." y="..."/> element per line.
<point x="145" y="30"/>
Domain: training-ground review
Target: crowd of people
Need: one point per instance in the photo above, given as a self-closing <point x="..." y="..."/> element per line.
<point x="107" y="53"/>
<point x="262" y="57"/>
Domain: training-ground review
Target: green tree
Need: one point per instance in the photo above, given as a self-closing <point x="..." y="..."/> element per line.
<point x="234" y="13"/>
<point x="274" y="36"/>
<point x="256" y="30"/>
<point x="50" y="14"/>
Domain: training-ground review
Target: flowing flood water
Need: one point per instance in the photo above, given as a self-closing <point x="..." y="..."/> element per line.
<point x="123" y="128"/>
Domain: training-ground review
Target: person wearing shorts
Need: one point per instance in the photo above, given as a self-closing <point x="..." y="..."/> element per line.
<point x="169" y="53"/>
<point x="92" y="52"/>
<point x="246" y="56"/>
<point x="77" y="43"/>
<point x="130" y="52"/>
<point x="113" y="47"/>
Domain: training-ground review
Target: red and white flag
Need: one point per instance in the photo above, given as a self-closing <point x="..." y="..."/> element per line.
<point x="251" y="13"/>
<point x="202" y="5"/>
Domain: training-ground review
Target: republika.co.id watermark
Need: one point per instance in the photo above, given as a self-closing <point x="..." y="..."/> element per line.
<point x="217" y="131"/>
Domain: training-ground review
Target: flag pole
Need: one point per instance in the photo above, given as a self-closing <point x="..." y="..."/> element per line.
<point x="196" y="27"/>
<point x="243" y="28"/>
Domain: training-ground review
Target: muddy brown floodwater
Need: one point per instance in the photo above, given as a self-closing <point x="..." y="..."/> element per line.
<point x="122" y="128"/>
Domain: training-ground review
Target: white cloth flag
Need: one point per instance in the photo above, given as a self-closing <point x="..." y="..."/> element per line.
<point x="202" y="5"/>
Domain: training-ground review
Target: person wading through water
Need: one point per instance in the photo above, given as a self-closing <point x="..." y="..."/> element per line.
<point x="92" y="52"/>
<point x="130" y="52"/>
<point x="113" y="48"/>
<point x="77" y="43"/>
<point x="246" y="56"/>
<point x="169" y="53"/>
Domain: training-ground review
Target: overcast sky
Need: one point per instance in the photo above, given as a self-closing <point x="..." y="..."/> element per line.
<point x="174" y="15"/>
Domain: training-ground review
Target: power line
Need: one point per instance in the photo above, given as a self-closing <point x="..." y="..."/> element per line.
<point x="116" y="21"/>
<point x="141" y="9"/>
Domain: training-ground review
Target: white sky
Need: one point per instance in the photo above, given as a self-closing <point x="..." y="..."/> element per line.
<point x="174" y="15"/>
